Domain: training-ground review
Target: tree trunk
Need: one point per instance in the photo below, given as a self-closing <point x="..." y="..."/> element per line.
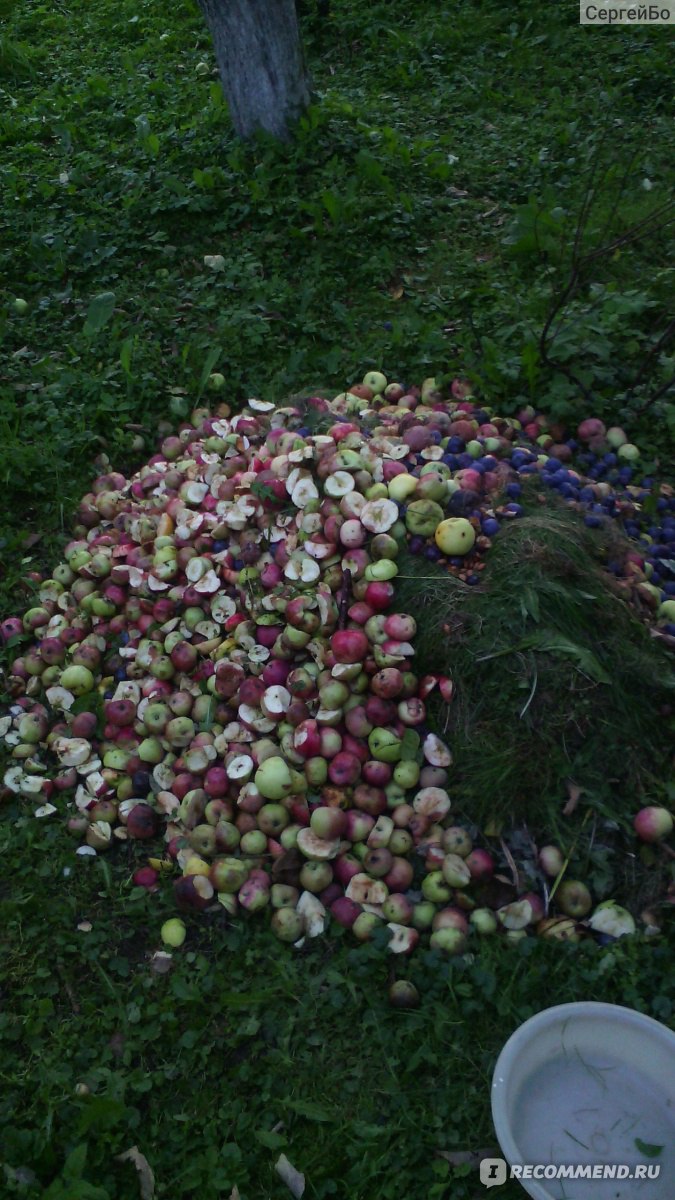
<point x="261" y="64"/>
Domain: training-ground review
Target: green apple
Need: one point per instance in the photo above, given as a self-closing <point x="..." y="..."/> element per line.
<point x="380" y="571"/>
<point x="78" y="680"/>
<point x="435" y="888"/>
<point x="253" y="842"/>
<point x="574" y="899"/>
<point x="228" y="874"/>
<point x="384" y="745"/>
<point x="272" y="818"/>
<point x="431" y="487"/>
<point x="364" y="925"/>
<point x="376" y="381"/>
<point x="401" y="486"/>
<point x="216" y="381"/>
<point x="406" y="774"/>
<point x="287" y="924"/>
<point x="423" y="516"/>
<point x="448" y="940"/>
<point x="423" y="914"/>
<point x="455" y="536"/>
<point x="173" y="933"/>
<point x="429" y="390"/>
<point x="150" y="749"/>
<point x="20" y="306"/>
<point x="483" y="920"/>
<point x="616" y="437"/>
<point x="273" y="779"/>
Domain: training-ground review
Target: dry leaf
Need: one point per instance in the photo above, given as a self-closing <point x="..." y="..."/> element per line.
<point x="493" y="827"/>
<point x="573" y="793"/>
<point x="458" y="1158"/>
<point x="396" y="292"/>
<point x="146" y="1176"/>
<point x="234" y="1194"/>
<point x="295" y="1182"/>
<point x="286" y="868"/>
<point x="161" y="962"/>
<point x="512" y="864"/>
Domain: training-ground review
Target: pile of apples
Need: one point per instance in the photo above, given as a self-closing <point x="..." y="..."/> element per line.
<point x="220" y="662"/>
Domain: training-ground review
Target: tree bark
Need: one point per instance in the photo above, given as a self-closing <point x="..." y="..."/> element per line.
<point x="261" y="64"/>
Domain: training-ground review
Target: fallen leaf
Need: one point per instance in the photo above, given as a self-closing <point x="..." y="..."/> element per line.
<point x="85" y="927"/>
<point x="23" y="1176"/>
<point x="573" y="793"/>
<point x="161" y="962"/>
<point x="295" y="1182"/>
<point x="493" y="827"/>
<point x="234" y="1194"/>
<point x="286" y="868"/>
<point x="146" y="1176"/>
<point x="512" y="864"/>
<point x="459" y="1158"/>
<point x="116" y="1044"/>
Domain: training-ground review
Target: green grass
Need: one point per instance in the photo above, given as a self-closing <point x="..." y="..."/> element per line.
<point x="421" y="221"/>
<point x="248" y="1049"/>
<point x="408" y="226"/>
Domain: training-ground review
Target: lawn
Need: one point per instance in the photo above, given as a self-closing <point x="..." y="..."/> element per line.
<point x="424" y="220"/>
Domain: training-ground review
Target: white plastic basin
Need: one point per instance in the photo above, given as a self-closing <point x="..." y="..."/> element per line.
<point x="585" y="1084"/>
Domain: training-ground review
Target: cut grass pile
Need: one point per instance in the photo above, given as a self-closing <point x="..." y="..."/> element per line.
<point x="557" y="677"/>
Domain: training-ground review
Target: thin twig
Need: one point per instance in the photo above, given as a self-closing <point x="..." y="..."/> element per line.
<point x="665" y="337"/>
<point x="345" y="599"/>
<point x="621" y="189"/>
<point x="657" y="396"/>
<point x="631" y="235"/>
<point x="654" y="349"/>
<point x="586" y="206"/>
<point x="579" y="265"/>
<point x="68" y="990"/>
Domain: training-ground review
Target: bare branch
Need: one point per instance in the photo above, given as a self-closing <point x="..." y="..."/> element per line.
<point x="580" y="264"/>
<point x="662" y="391"/>
<point x="653" y="350"/>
